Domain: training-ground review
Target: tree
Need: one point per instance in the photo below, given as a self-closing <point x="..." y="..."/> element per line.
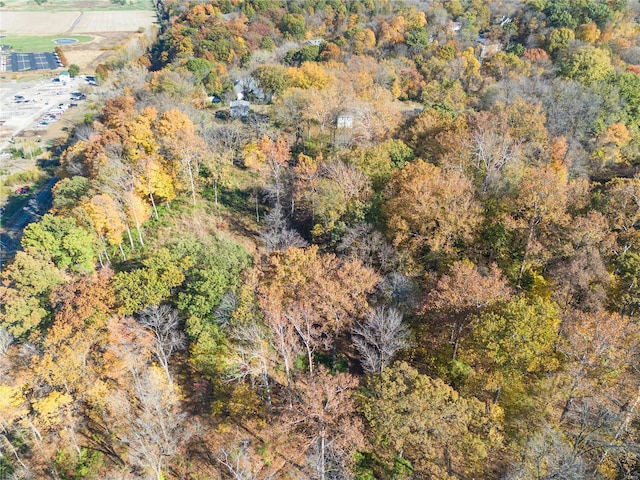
<point x="144" y="410"/>
<point x="325" y="417"/>
<point x="426" y="422"/>
<point x="181" y="145"/>
<point x="293" y="25"/>
<point x="67" y="244"/>
<point x="513" y="342"/>
<point x="379" y="338"/>
<point x="458" y="297"/>
<point x="538" y="214"/>
<point x="272" y="78"/>
<point x="74" y="70"/>
<point x="317" y="296"/>
<point x="24" y="292"/>
<point x="68" y="192"/>
<point x="151" y="284"/>
<point x="164" y="324"/>
<point x="587" y="64"/>
<point x="430" y="210"/>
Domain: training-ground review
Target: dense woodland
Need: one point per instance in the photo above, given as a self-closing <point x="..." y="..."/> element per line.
<point x="417" y="257"/>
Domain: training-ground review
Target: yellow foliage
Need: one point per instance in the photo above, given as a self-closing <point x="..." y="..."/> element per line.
<point x="49" y="408"/>
<point x="309" y="75"/>
<point x="106" y="218"/>
<point x="12" y="403"/>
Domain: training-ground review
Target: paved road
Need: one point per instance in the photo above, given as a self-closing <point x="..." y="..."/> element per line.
<point x="11" y="231"/>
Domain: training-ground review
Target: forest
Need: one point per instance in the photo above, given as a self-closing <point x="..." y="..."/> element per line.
<point x="323" y="239"/>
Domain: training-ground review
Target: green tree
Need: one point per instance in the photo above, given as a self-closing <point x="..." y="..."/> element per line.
<point x="67" y="244"/>
<point x="200" y="67"/>
<point x="68" y="192"/>
<point x="24" y="292"/>
<point x="293" y="25"/>
<point x="425" y="421"/>
<point x="587" y="64"/>
<point x="514" y="341"/>
<point x="74" y="70"/>
<point x="272" y="78"/>
<point x="151" y="284"/>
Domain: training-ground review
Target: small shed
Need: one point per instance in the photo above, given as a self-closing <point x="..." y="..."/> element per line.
<point x="239" y="108"/>
<point x="64" y="76"/>
<point x="344" y="121"/>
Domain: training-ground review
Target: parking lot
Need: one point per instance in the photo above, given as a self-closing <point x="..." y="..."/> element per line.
<point x="35" y="105"/>
<point x="24" y="62"/>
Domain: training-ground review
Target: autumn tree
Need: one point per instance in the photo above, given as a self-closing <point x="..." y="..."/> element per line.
<point x="430" y="210"/>
<point x="317" y="296"/>
<point x="458" y="296"/>
<point x="163" y="322"/>
<point x="325" y="416"/>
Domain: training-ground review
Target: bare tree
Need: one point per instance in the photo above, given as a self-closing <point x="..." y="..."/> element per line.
<point x="277" y="235"/>
<point x="379" y="338"/>
<point x="5" y="340"/>
<point x="546" y="457"/>
<point x="255" y="355"/>
<point x="164" y="323"/>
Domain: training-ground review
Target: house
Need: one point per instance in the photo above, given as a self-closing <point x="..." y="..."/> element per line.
<point x="239" y="108"/>
<point x="248" y="87"/>
<point x="316" y="42"/>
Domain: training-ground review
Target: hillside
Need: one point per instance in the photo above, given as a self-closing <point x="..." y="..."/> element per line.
<point x="333" y="239"/>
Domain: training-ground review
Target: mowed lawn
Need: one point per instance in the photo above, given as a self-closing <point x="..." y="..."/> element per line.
<point x="45" y="43"/>
<point x="58" y="5"/>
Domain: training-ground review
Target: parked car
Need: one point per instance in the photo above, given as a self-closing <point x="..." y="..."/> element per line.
<point x="22" y="190"/>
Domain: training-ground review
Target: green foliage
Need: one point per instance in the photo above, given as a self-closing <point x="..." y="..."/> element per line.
<point x="267" y="43"/>
<point x="216" y="268"/>
<point x="199" y="67"/>
<point x="293" y="25"/>
<point x="24" y="292"/>
<point x="587" y="64"/>
<point x="448" y="435"/>
<point x="82" y="466"/>
<point x="417" y="37"/>
<point x="627" y="291"/>
<point x="310" y="53"/>
<point x="629" y="90"/>
<point x="28" y="176"/>
<point x="518" y="338"/>
<point x="67" y="244"/>
<point x="74" y="70"/>
<point x="68" y="192"/>
<point x="152" y="283"/>
<point x="272" y="78"/>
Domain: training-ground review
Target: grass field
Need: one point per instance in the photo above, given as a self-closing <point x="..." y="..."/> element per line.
<point x="87" y="5"/>
<point x="28" y="43"/>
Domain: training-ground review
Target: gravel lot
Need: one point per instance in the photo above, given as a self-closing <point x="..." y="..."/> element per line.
<point x="24" y="105"/>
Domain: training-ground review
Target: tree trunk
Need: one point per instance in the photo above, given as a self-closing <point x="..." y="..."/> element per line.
<point x="193" y="188"/>
<point x="322" y="462"/>
<point x="153" y="204"/>
<point x="130" y="237"/>
<point x="124" y="257"/>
